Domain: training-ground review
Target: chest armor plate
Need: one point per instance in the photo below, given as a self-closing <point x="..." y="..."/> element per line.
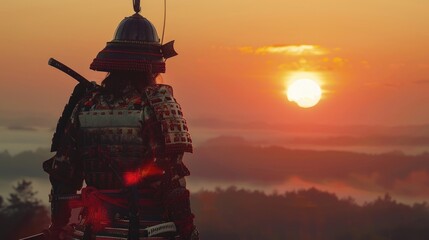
<point x="129" y="132"/>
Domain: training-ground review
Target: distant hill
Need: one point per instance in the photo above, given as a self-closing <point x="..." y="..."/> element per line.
<point x="230" y="159"/>
<point x="234" y="159"/>
<point x="24" y="164"/>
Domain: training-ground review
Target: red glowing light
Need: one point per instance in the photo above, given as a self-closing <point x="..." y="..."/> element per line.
<point x="131" y="178"/>
<point x="134" y="177"/>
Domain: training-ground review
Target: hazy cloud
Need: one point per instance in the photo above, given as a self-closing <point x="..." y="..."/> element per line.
<point x="372" y="140"/>
<point x="14" y="120"/>
<point x="422" y="81"/>
<point x="305" y="64"/>
<point x="305" y="57"/>
<point x="291" y="50"/>
<point x="220" y="123"/>
<point x="21" y="128"/>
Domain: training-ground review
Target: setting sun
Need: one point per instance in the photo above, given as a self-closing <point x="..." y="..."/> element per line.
<point x="305" y="92"/>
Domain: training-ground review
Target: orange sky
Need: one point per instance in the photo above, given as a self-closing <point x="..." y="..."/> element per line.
<point x="234" y="59"/>
<point x="374" y="63"/>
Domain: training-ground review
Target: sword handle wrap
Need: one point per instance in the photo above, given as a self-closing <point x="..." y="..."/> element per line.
<point x="60" y="66"/>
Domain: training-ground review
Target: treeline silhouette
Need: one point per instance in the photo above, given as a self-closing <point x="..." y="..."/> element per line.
<point x="234" y="213"/>
<point x="22" y="214"/>
<point x="305" y="214"/>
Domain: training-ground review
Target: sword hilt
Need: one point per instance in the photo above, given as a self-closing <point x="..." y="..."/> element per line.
<point x="62" y="67"/>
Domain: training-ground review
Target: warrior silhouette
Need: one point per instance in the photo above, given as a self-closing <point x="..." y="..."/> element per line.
<point x="125" y="139"/>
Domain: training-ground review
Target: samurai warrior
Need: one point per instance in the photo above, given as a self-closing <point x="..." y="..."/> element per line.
<point x="125" y="139"/>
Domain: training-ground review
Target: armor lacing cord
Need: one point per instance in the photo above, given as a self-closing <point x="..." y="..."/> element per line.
<point x="93" y="200"/>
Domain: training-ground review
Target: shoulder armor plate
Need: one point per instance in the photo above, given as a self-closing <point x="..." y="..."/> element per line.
<point x="169" y="113"/>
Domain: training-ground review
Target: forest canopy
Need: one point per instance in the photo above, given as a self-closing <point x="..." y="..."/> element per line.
<point x="234" y="213"/>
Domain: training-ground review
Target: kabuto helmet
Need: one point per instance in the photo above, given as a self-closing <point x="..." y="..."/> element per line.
<point x="135" y="47"/>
